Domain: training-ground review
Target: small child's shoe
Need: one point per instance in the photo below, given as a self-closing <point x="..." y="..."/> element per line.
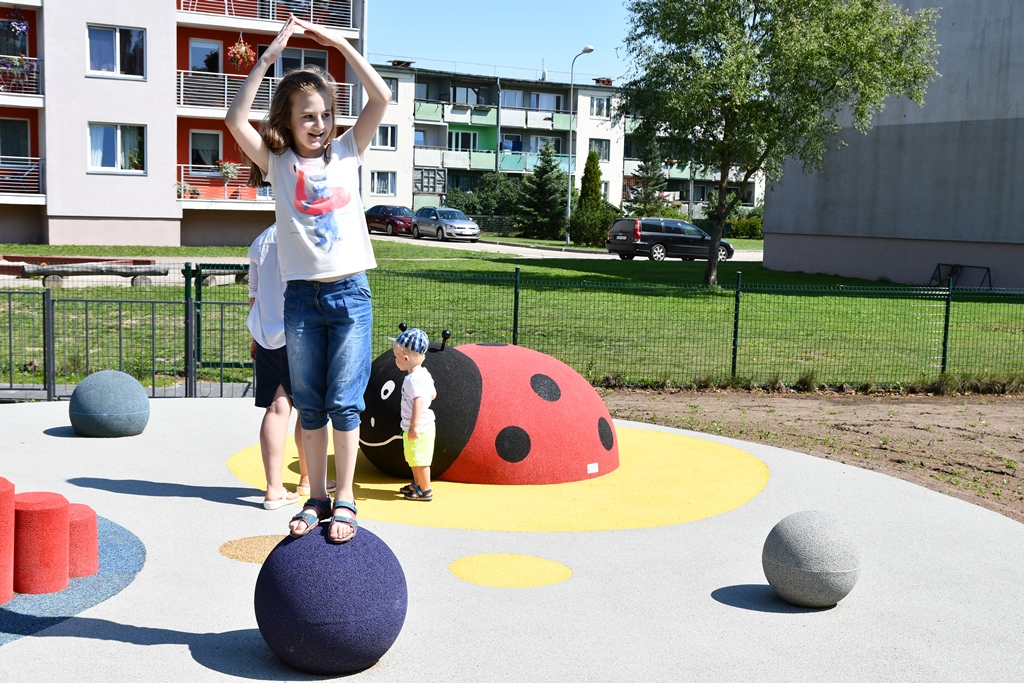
<point x="416" y="493"/>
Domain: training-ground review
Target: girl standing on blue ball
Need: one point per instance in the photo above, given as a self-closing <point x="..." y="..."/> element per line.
<point x="324" y="250"/>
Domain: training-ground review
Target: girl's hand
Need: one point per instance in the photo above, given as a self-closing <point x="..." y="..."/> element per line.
<point x="280" y="42"/>
<point x="316" y="32"/>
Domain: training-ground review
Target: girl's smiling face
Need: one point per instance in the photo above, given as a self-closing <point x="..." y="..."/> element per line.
<point x="311" y="123"/>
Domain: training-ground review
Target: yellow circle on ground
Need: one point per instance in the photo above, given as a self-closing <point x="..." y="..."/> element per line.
<point x="501" y="570"/>
<point x="250" y="549"/>
<point x="663" y="479"/>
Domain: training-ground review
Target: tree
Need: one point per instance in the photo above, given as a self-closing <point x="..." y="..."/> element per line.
<point x="543" y="199"/>
<point x="589" y="223"/>
<point x="746" y="84"/>
<point x="650" y="181"/>
<point x="495" y="195"/>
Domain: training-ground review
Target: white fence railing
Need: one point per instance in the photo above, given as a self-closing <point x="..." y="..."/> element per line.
<point x="21" y="175"/>
<point x="206" y="183"/>
<point x="202" y="89"/>
<point x="335" y="13"/>
<point x="19" y="75"/>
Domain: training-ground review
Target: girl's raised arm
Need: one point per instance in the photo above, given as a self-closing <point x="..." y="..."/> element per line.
<point x="377" y="91"/>
<point x="237" y="118"/>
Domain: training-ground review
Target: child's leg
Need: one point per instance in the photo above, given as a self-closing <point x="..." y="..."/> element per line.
<point x="346" y="450"/>
<point x="273" y="431"/>
<point x="421" y="477"/>
<point x="301" y="448"/>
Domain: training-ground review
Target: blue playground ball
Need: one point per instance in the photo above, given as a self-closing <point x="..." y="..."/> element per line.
<point x="331" y="609"/>
<point x="109" y="403"/>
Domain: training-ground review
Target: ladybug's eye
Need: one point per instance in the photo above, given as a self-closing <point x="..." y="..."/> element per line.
<point x="387" y="389"/>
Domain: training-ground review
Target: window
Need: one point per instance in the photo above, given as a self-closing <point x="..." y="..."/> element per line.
<point x="512" y="98"/>
<point x="297" y="57"/>
<point x="546" y="101"/>
<point x="12" y="41"/>
<point x="461" y="141"/>
<point x="537" y="143"/>
<point x="386" y="137"/>
<point x="204" y="151"/>
<point x="114" y="147"/>
<point x="421" y="91"/>
<point x="420" y="138"/>
<point x="393" y="84"/>
<point x="13" y="138"/>
<point x="463" y="94"/>
<point x="204" y="55"/>
<point x="604" y="189"/>
<point x="382" y="182"/>
<point x="602" y="147"/>
<point x="117" y="50"/>
<point x="601" y="106"/>
<point x="511" y="142"/>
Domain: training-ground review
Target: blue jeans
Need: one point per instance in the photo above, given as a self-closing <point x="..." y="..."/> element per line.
<point x="328" y="328"/>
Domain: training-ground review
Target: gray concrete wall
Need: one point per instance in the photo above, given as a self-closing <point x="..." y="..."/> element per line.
<point x="20" y="224"/>
<point x="941" y="178"/>
<point x="223" y="228"/>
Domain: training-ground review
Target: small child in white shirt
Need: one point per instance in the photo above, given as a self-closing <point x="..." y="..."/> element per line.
<point x="417" y="418"/>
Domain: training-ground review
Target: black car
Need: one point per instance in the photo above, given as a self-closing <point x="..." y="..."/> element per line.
<point x="661" y="238"/>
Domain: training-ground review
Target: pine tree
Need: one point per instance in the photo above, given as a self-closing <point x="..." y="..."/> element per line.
<point x="543" y="202"/>
<point x="589" y="223"/>
<point x="650" y="181"/>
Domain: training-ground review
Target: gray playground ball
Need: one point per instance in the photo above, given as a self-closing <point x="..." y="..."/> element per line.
<point x="109" y="403"/>
<point x="811" y="559"/>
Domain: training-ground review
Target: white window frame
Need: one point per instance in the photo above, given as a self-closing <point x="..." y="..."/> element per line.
<point x="279" y="64"/>
<point x="117" y="149"/>
<point x="390" y="180"/>
<point x="386" y="137"/>
<point x="419" y="133"/>
<point x="220" y="153"/>
<point x="537" y="98"/>
<point x="598" y="145"/>
<point x="116" y="73"/>
<point x="470" y="92"/>
<point x="473" y="138"/>
<point x="209" y="42"/>
<point x="537" y="143"/>
<point x="601" y="107"/>
<point x="393" y="85"/>
<point x="605" y="189"/>
<point x="516" y="97"/>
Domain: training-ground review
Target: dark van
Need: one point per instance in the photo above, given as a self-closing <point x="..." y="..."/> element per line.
<point x="661" y="238"/>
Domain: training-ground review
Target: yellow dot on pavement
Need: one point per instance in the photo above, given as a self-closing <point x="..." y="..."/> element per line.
<point x="509" y="571"/>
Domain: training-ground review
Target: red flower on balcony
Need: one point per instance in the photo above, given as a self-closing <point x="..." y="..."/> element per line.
<point x="241" y="55"/>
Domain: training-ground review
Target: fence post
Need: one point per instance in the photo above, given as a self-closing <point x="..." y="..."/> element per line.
<point x="190" y="361"/>
<point x="515" y="312"/>
<point x="945" y="326"/>
<point x="197" y="319"/>
<point x="49" y="346"/>
<point x="736" y="322"/>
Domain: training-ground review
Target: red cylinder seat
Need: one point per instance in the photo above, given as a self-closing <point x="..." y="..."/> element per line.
<point x="6" y="540"/>
<point x="83" y="541"/>
<point x="41" y="527"/>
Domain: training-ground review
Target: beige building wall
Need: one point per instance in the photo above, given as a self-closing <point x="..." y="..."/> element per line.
<point x="601" y="128"/>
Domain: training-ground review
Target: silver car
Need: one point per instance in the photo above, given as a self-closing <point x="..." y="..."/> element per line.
<point x="444" y="224"/>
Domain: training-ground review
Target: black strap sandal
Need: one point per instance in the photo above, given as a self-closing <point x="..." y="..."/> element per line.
<point x="314" y="511"/>
<point x="344" y="519"/>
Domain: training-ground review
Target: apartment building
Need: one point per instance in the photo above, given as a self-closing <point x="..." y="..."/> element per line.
<point x="112" y="115"/>
<point x="112" y="121"/>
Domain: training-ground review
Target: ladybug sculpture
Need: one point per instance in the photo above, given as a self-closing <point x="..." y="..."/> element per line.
<point x="505" y="415"/>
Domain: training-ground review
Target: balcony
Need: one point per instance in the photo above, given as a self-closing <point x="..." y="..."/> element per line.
<point x="332" y="13"/>
<point x="525" y="162"/>
<point x="203" y="90"/>
<point x="204" y="187"/>
<point x="517" y="117"/>
<point x="19" y="75"/>
<point x="20" y="176"/>
<point x="475" y="160"/>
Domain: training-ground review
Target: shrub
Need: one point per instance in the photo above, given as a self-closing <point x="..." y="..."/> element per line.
<point x="589" y="226"/>
<point x="747" y="228"/>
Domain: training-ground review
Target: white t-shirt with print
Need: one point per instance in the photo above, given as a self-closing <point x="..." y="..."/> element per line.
<point x="266" y="289"/>
<point x="321" y="227"/>
<point x="417" y="383"/>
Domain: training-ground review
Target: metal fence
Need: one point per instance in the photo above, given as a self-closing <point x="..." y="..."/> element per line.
<point x="185" y="335"/>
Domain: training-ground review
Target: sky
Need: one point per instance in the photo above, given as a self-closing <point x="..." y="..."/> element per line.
<point x="516" y="39"/>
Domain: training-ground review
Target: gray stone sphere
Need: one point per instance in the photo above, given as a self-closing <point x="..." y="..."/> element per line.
<point x="109" y="403"/>
<point x="811" y="559"/>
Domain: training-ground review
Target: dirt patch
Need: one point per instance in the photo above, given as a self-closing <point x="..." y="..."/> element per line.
<point x="970" y="447"/>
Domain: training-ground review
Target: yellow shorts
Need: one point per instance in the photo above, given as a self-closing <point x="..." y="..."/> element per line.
<point x="419" y="453"/>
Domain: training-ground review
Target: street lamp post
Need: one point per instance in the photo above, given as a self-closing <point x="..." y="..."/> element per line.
<point x="568" y="196"/>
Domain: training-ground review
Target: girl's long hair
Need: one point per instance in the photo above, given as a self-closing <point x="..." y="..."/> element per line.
<point x="274" y="129"/>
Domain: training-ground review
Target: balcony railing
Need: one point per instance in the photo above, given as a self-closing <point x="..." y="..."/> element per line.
<point x="205" y="183"/>
<point x="203" y="89"/>
<point x="335" y="13"/>
<point x="525" y="162"/>
<point x="21" y="175"/>
<point x="19" y="75"/>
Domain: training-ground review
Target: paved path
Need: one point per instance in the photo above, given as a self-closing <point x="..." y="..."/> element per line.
<point x="939" y="597"/>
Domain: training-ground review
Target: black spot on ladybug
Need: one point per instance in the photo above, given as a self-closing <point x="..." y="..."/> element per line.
<point x="512" y="444"/>
<point x="545" y="387"/>
<point x="604" y="430"/>
<point x="492" y="344"/>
